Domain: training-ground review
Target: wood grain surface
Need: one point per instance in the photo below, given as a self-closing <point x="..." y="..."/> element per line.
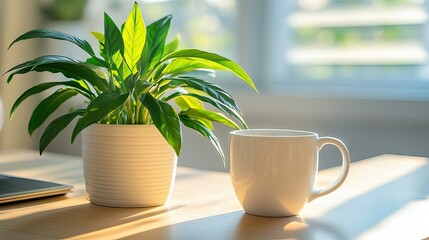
<point x="384" y="197"/>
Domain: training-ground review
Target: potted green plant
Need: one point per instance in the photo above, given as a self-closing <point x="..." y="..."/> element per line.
<point x="137" y="95"/>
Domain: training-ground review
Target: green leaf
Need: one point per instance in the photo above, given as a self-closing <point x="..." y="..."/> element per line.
<point x="122" y="68"/>
<point x="114" y="48"/>
<point x="134" y="35"/>
<point x="100" y="38"/>
<point x="113" y="41"/>
<point x="44" y="86"/>
<point x="44" y="33"/>
<point x="184" y="65"/>
<point x="95" y="62"/>
<point x="56" y="126"/>
<point x="165" y="119"/>
<point x="70" y="68"/>
<point x="204" y="131"/>
<point x="186" y="102"/>
<point x="99" y="108"/>
<point x="201" y="73"/>
<point x="155" y="41"/>
<point x="211" y="58"/>
<point x="219" y="105"/>
<point x="158" y="71"/>
<point x="47" y="106"/>
<point x="209" y="115"/>
<point x="47" y="59"/>
<point x="210" y="89"/>
<point x="141" y="87"/>
<point x="171" y="46"/>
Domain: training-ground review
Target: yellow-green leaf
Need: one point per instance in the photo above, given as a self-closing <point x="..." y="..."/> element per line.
<point x="121" y="66"/>
<point x="209" y="115"/>
<point x="184" y="65"/>
<point x="186" y="102"/>
<point x="212" y="58"/>
<point x="134" y="35"/>
<point x="99" y="36"/>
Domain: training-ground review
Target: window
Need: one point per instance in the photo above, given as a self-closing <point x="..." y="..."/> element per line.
<point x="350" y="44"/>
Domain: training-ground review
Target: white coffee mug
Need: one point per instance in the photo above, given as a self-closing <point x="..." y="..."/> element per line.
<point x="273" y="171"/>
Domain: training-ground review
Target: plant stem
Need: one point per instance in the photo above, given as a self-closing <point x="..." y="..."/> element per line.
<point x="146" y="116"/>
<point x="130" y="111"/>
<point x="137" y="112"/>
<point x="111" y="79"/>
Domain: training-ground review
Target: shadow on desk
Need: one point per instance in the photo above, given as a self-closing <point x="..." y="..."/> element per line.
<point x="238" y="225"/>
<point x="85" y="221"/>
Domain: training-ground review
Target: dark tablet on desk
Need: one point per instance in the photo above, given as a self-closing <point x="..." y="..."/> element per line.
<point x="16" y="189"/>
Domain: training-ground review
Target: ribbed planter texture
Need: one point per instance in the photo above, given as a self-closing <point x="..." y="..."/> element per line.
<point x="127" y="165"/>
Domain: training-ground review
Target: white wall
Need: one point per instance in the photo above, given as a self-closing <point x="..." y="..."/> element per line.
<point x="17" y="16"/>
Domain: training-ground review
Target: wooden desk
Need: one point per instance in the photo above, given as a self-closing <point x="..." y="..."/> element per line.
<point x="384" y="197"/>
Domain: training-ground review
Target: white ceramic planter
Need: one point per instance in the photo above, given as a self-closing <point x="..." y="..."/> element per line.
<point x="127" y="165"/>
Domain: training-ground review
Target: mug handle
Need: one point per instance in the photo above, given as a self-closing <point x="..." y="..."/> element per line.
<point x="321" y="142"/>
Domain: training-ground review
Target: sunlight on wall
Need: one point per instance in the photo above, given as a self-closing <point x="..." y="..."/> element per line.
<point x="18" y="16"/>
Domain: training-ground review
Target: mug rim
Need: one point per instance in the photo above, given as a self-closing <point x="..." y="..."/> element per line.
<point x="268" y="133"/>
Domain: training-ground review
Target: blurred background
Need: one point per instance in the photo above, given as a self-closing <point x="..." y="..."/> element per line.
<point x="353" y="69"/>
